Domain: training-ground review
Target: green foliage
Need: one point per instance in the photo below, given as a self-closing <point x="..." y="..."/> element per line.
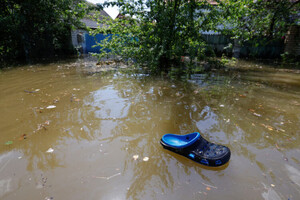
<point x="251" y="19"/>
<point x="157" y="33"/>
<point x="228" y="61"/>
<point x="36" y="28"/>
<point x="290" y="60"/>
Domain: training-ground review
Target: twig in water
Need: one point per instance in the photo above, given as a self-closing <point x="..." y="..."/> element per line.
<point x="107" y="178"/>
<point x="210" y="186"/>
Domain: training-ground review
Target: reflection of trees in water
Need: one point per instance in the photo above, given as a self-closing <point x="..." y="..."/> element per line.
<point x="158" y="107"/>
<point x="251" y="133"/>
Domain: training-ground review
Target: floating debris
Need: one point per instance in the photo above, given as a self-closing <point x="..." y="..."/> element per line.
<point x="256" y="114"/>
<point x="135" y="157"/>
<point x="50" y="150"/>
<point x="222" y="106"/>
<point x="268" y="127"/>
<point x="51" y="106"/>
<point x="109" y="177"/>
<point x="145" y="159"/>
<point x="9" y="142"/>
<point x="22" y="137"/>
<point x="56" y="100"/>
<point x="209" y="186"/>
<point x="30" y="91"/>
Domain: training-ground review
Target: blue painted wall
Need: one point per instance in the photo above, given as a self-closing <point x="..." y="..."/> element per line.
<point x="90" y="41"/>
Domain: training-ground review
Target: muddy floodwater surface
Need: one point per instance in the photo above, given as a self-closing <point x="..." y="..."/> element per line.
<point x="70" y="134"/>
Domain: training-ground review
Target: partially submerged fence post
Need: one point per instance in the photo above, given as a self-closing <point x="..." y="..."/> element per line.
<point x="292" y="41"/>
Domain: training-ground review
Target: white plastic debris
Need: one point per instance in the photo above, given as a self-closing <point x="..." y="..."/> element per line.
<point x="256" y="114"/>
<point x="145" y="159"/>
<point x="51" y="106"/>
<point x="50" y="150"/>
<point x="135" y="157"/>
<point x="222" y="106"/>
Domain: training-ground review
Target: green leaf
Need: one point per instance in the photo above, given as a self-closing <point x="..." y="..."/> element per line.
<point x="8" y="142"/>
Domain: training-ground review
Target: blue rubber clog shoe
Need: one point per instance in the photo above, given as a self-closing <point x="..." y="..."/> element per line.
<point x="196" y="148"/>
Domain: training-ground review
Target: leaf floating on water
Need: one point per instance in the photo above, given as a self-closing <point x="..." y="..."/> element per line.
<point x="135" y="157"/>
<point x="9" y="142"/>
<point x="50" y="150"/>
<point x="282" y="130"/>
<point x="24" y="136"/>
<point x="77" y="100"/>
<point x="208" y="188"/>
<point x="51" y="106"/>
<point x="277" y="147"/>
<point x="145" y="159"/>
<point x="272" y="185"/>
<point x="268" y="127"/>
<point x="251" y="110"/>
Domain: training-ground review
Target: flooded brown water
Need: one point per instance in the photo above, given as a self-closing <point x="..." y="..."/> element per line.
<point x="83" y="146"/>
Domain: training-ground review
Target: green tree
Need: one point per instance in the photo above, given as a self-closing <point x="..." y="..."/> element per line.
<point x="249" y="19"/>
<point x="157" y="33"/>
<point x="31" y="29"/>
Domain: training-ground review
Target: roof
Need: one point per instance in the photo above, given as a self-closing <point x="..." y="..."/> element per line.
<point x="92" y="23"/>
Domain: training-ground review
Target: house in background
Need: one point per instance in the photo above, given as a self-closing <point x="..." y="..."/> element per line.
<point x="82" y="41"/>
